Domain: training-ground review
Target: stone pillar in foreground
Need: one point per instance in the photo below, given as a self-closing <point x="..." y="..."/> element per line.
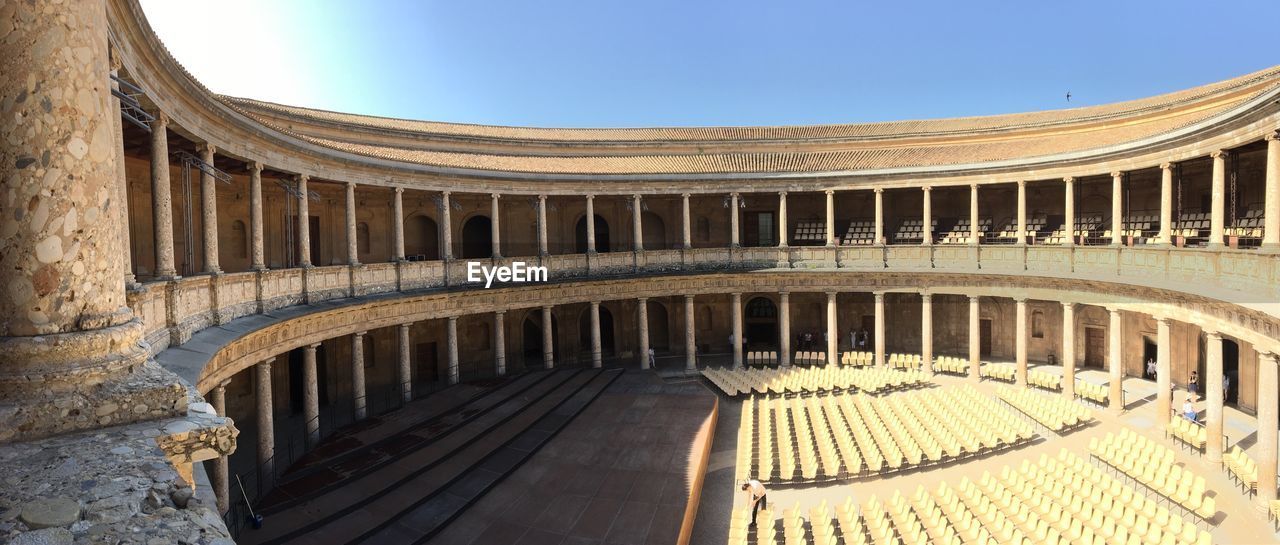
<point x="162" y="199"/>
<point x="359" y="395"/>
<point x="1268" y="421"/>
<point x="1213" y="397"/>
<point x="926" y="332"/>
<point x="878" y="342"/>
<point x="311" y="395"/>
<point x="304" y="223"/>
<point x="548" y="339"/>
<point x="405" y="370"/>
<point x="1069" y="210"/>
<point x="1164" y="372"/>
<point x="451" y="334"/>
<point x="1117" y="208"/>
<point x="1020" y="340"/>
<point x="1217" y="200"/>
<point x="209" y="211"/>
<point x="784" y="329"/>
<point x="833" y="331"/>
<point x="353" y="246"/>
<point x="596" y="356"/>
<point x="221" y="472"/>
<point x="1271" y="195"/>
<point x="1069" y="350"/>
<point x="1166" y="204"/>
<point x="591" y="224"/>
<point x="926" y="216"/>
<point x="397" y="225"/>
<point x="266" y="425"/>
<point x="736" y="303"/>
<point x="734" y="240"/>
<point x="782" y="219"/>
<point x="499" y="343"/>
<point x="690" y="345"/>
<point x="495" y="232"/>
<point x="975" y="341"/>
<point x="257" y="260"/>
<point x="642" y="322"/>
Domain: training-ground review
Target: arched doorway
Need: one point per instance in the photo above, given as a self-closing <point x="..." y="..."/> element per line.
<point x="659" y="329"/>
<point x="655" y="231"/>
<point x="760" y="324"/>
<point x="602" y="235"/>
<point x="421" y="239"/>
<point x="1231" y="371"/>
<point x="531" y="331"/>
<point x="606" y="332"/>
<point x="477" y="238"/>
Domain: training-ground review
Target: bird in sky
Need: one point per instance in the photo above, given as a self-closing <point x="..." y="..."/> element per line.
<point x="1068" y="96"/>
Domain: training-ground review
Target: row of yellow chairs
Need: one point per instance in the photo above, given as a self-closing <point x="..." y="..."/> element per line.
<point x="1052" y="412"/>
<point x="762" y="358"/>
<point x="1044" y="379"/>
<point x="1188" y="432"/>
<point x="999" y="371"/>
<point x="1097" y="393"/>
<point x="951" y="365"/>
<point x="857" y="359"/>
<point x="798" y="380"/>
<point x="1152" y="464"/>
<point x="1242" y="468"/>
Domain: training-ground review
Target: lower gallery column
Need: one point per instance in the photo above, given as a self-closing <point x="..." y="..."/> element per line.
<point x="833" y="331"/>
<point x="548" y="339"/>
<point x="1020" y="340"/>
<point x="642" y="327"/>
<point x="1213" y="397"/>
<point x="358" y="393"/>
<point x="311" y="395"/>
<point x="353" y="247"/>
<point x="266" y="425"/>
<point x="595" y="335"/>
<point x="879" y="326"/>
<point x="451" y="333"/>
<point x="1115" y="361"/>
<point x="499" y="343"/>
<point x="736" y="303"/>
<point x="975" y="341"/>
<point x="405" y="375"/>
<point x="1164" y="374"/>
<point x="690" y="346"/>
<point x="1268" y="421"/>
<point x="784" y="328"/>
<point x="926" y="332"/>
<point x="221" y="473"/>
<point x="1069" y="350"/>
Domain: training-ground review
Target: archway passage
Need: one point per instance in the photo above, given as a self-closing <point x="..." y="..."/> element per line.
<point x="760" y="324"/>
<point x="655" y="231"/>
<point x="531" y="331"/>
<point x="477" y="238"/>
<point x="606" y="332"/>
<point x="659" y="328"/>
<point x="421" y="239"/>
<point x="1231" y="372"/>
<point x="602" y="235"/>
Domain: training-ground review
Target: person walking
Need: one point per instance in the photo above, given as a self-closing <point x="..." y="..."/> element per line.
<point x="652" y="363"/>
<point x="756" y="492"/>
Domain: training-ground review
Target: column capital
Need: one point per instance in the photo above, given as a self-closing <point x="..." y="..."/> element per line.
<point x="452" y="319"/>
<point x="590" y="197"/>
<point x="302" y="178"/>
<point x="684" y="195"/>
<point x="635" y="196"/>
<point x="642" y="300"/>
<point x="359" y="333"/>
<point x="399" y="190"/>
<point x="926" y="296"/>
<point x="782" y="194"/>
<point x="1163" y="320"/>
<point x="1068" y="305"/>
<point x="736" y="294"/>
<point x="500" y="313"/>
<point x="1166" y="166"/>
<point x="878" y="190"/>
<point x="1117" y="174"/>
<point x="207" y="148"/>
<point x="446" y="193"/>
<point x="1021" y="183"/>
<point x="1220" y="154"/>
<point x="784" y="293"/>
<point x="1069" y="179"/>
<point x="542" y="198"/>
<point x="1112" y="309"/>
<point x="1272" y="136"/>
<point x="161" y="120"/>
<point x="313" y="346"/>
<point x="1212" y="334"/>
<point x="832" y="293"/>
<point x="595" y="304"/>
<point x="254" y="167"/>
<point x="973" y="187"/>
<point x="267" y="362"/>
<point x="735" y="194"/>
<point x="495" y="196"/>
<point x="1021" y="300"/>
<point x="830" y="192"/>
<point x="974" y="298"/>
<point x="1268" y="355"/>
<point x="405" y="326"/>
<point x="351" y="186"/>
<point x="879" y="295"/>
<point x="688" y="297"/>
<point x="926" y="188"/>
<point x="221" y="388"/>
<point x="547" y="308"/>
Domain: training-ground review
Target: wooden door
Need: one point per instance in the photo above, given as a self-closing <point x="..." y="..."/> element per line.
<point x="1095" y="347"/>
<point x="984" y="338"/>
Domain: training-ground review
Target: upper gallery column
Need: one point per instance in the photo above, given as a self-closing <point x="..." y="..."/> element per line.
<point x="1020" y="340"/>
<point x="1213" y="397"/>
<point x="637" y="227"/>
<point x="974" y="232"/>
<point x="736" y="303"/>
<point x="209" y="210"/>
<point x="1267" y="429"/>
<point x="258" y="259"/>
<point x="304" y="224"/>
<point x="591" y="224"/>
<point x="975" y="341"/>
<point x="353" y="248"/>
<point x="690" y="346"/>
<point x="879" y="329"/>
<point x="1069" y="210"/>
<point x="784" y="328"/>
<point x="1022" y="212"/>
<point x="495" y="230"/>
<point x="542" y="225"/>
<point x="1069" y="350"/>
<point x="686" y="240"/>
<point x="66" y="324"/>
<point x="879" y="215"/>
<point x="926" y="332"/>
<point x="1271" y="195"/>
<point x="122" y="181"/>
<point x="162" y="199"/>
<point x="782" y="219"/>
<point x="831" y="217"/>
<point x="734" y="241"/>
<point x="596" y="352"/>
<point x="397" y="224"/>
<point x="1115" y="360"/>
<point x="1166" y="204"/>
<point x="1164" y="392"/>
<point x="642" y="330"/>
<point x="1217" y="199"/>
<point x="833" y="331"/>
<point x="926" y="216"/>
<point x="500" y="343"/>
<point x="446" y="225"/>
<point x="1117" y="208"/>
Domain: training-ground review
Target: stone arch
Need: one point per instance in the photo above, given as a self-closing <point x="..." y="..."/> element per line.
<point x="654" y="231"/>
<point x="760" y="323"/>
<point x="531" y="333"/>
<point x="602" y="235"/>
<point x="421" y="238"/>
<point x="606" y="332"/>
<point x="659" y="326"/>
<point x="477" y="237"/>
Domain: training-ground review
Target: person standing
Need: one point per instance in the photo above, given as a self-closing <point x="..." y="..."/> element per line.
<point x="1193" y="385"/>
<point x="756" y="492"/>
<point x="652" y="363"/>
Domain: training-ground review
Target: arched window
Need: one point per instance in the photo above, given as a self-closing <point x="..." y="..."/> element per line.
<point x="239" y="240"/>
<point x="1037" y="324"/>
<point x="704" y="229"/>
<point x="362" y="238"/>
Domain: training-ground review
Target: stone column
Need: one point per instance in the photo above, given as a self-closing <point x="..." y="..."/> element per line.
<point x="975" y="341"/>
<point x="1271" y="195"/>
<point x="1166" y="204"/>
<point x="974" y="232"/>
<point x="310" y="395"/>
<point x="495" y="230"/>
<point x="686" y="229"/>
<point x="784" y="328"/>
<point x="1164" y="374"/>
<point x="500" y="343"/>
<point x="927" y="216"/>
<point x="446" y="226"/>
<point x="353" y="247"/>
<point x="397" y="224"/>
<point x="1069" y="350"/>
<point x="1020" y="339"/>
<point x="304" y="224"/>
<point x="879" y="332"/>
<point x="359" y="395"/>
<point x="451" y="334"/>
<point x="66" y="326"/>
<point x="737" y="329"/>
<point x="258" y="261"/>
<point x="1213" y="397"/>
<point x="266" y="424"/>
<point x="637" y="227"/>
<point x="548" y="339"/>
<point x="879" y="215"/>
<point x="642" y="327"/>
<point x="833" y="331"/>
<point x="1115" y="361"/>
<point x="1117" y="208"/>
<point x="1217" y="203"/>
<point x="591" y="224"/>
<point x="782" y="219"/>
<point x="221" y="472"/>
<point x="1022" y="212"/>
<point x="405" y="373"/>
<point x="122" y="182"/>
<point x="926" y="332"/>
<point x="1069" y="209"/>
<point x="690" y="346"/>
<point x="1267" y="424"/>
<point x="734" y="241"/>
<point x="542" y="225"/>
<point x="209" y="211"/>
<point x="596" y="357"/>
<point x="831" y="217"/>
<point x="162" y="199"/>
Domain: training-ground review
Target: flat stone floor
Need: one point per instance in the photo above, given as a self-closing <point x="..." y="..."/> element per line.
<point x="619" y="474"/>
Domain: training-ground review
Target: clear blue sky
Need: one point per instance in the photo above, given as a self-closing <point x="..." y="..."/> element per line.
<point x="612" y="63"/>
